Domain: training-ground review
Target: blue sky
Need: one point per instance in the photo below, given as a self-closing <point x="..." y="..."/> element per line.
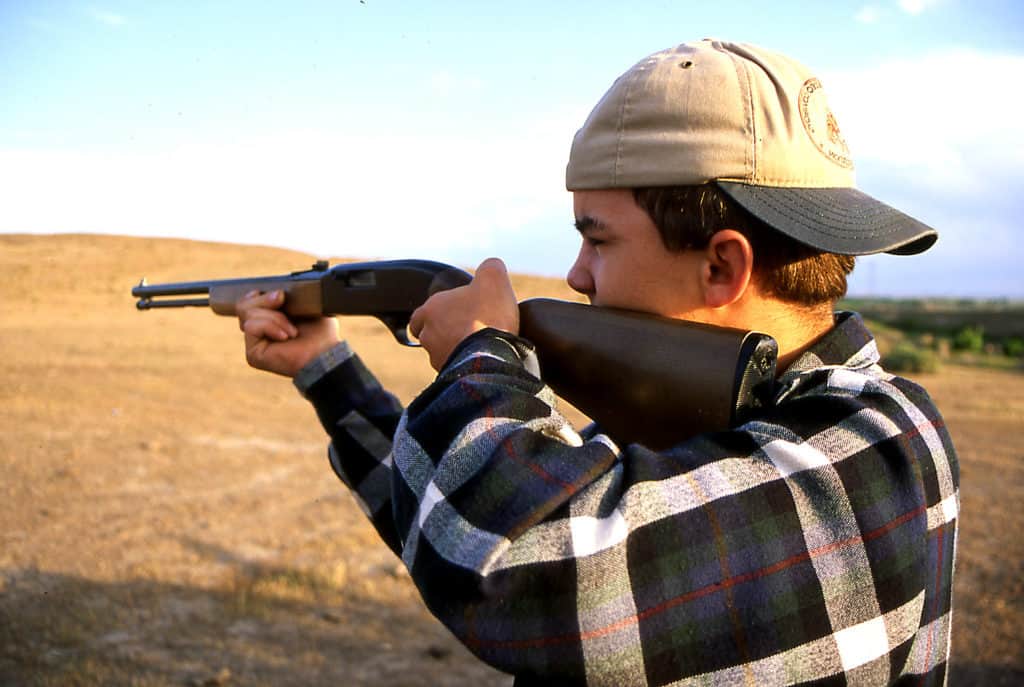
<point x="441" y="129"/>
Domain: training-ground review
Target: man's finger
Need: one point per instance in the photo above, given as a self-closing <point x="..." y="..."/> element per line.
<point x="268" y="324"/>
<point x="271" y="300"/>
<point x="273" y="318"/>
<point x="416" y="321"/>
<point x="257" y="304"/>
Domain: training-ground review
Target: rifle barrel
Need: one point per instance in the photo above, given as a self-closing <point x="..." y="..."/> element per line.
<point x="148" y="303"/>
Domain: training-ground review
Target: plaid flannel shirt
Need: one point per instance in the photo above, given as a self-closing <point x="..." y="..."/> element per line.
<point x="814" y="543"/>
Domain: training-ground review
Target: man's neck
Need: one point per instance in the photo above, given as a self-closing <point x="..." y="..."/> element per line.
<point x="796" y="328"/>
<point x="795" y="342"/>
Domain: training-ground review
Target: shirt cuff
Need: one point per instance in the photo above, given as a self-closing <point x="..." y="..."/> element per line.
<point x="320" y="366"/>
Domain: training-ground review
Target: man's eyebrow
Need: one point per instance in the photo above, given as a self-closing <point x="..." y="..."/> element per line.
<point x="588" y="223"/>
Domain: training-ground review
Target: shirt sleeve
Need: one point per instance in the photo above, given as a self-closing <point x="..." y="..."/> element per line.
<point x="360" y="418"/>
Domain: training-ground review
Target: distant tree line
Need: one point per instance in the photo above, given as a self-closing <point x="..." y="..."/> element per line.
<point x="920" y="334"/>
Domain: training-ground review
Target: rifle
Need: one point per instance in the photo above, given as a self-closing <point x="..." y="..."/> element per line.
<point x="641" y="377"/>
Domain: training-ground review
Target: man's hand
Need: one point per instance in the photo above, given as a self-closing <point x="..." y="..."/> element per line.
<point x="450" y="316"/>
<point x="276" y="344"/>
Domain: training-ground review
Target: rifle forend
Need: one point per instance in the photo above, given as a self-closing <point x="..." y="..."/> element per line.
<point x="388" y="290"/>
<point x="642" y="378"/>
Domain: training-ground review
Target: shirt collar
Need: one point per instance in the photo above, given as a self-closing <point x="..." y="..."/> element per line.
<point x="849" y="344"/>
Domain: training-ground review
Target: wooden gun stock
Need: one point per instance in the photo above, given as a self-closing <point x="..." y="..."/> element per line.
<point x="642" y="378"/>
<point x="648" y="379"/>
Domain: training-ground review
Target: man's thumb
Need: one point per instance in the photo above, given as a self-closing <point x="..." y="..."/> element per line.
<point x="491" y="269"/>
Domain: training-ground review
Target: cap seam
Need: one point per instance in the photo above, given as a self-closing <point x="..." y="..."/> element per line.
<point x="808" y="220"/>
<point x="743" y="77"/>
<point x="747" y="98"/>
<point x="780" y="182"/>
<point x="622" y="121"/>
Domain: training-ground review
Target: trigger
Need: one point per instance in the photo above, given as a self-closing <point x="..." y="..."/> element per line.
<point x="399" y="326"/>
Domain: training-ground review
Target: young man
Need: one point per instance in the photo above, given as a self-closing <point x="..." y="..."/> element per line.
<point x="813" y="543"/>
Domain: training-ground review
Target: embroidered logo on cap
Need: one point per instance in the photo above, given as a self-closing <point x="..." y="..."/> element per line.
<point x="821" y="125"/>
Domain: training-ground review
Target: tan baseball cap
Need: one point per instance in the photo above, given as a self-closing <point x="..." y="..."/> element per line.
<point x="752" y="121"/>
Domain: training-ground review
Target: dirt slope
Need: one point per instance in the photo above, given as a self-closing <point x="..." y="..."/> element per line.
<point x="167" y="515"/>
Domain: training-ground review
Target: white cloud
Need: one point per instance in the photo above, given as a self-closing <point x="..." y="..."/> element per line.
<point x="375" y="194"/>
<point x="869" y="14"/>
<point x="948" y="118"/>
<point x="873" y="14"/>
<point x="106" y="17"/>
<point x="940" y="138"/>
<point x="916" y="7"/>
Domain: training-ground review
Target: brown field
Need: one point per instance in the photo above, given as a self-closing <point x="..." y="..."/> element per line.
<point x="168" y="517"/>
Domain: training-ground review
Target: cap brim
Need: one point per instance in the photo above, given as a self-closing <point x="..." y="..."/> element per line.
<point x="836" y="220"/>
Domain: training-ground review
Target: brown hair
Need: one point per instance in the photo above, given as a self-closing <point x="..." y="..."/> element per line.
<point x="688" y="216"/>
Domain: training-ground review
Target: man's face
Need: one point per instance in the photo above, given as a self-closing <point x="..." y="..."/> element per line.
<point x="623" y="263"/>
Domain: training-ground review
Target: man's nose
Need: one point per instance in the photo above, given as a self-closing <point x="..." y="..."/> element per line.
<point x="579" y="278"/>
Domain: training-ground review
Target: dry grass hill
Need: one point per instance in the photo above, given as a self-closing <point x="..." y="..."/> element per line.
<point x="168" y="517"/>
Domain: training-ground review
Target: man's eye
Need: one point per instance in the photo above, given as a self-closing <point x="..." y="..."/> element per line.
<point x="593" y="241"/>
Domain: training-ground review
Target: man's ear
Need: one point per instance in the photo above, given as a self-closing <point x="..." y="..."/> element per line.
<point x="729" y="263"/>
